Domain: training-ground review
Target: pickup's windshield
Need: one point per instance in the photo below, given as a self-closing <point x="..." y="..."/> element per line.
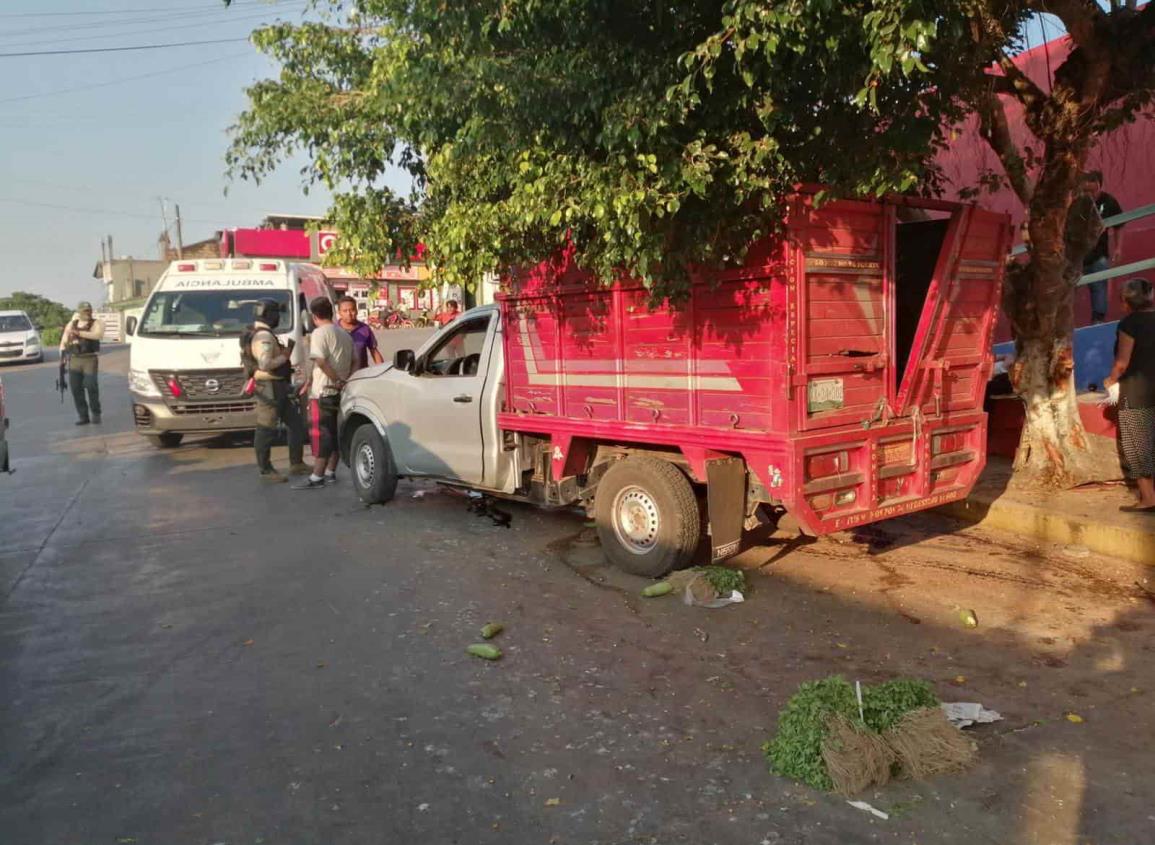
<point x="14" y="323"/>
<point x="209" y="313"/>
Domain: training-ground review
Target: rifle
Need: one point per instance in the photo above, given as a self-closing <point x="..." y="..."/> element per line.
<point x="62" y="374"/>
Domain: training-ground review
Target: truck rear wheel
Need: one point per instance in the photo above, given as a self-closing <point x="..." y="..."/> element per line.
<point x="371" y="459"/>
<point x="166" y="439"/>
<point x="647" y="516"/>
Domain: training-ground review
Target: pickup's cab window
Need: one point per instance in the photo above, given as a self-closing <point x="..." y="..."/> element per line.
<point x="458" y="354"/>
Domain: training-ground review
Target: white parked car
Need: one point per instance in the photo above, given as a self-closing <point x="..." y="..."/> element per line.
<point x="19" y="339"/>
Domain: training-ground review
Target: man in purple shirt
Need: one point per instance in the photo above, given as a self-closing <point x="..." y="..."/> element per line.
<point x="364" y="341"/>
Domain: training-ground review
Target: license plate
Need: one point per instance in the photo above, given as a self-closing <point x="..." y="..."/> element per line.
<point x="824" y="394"/>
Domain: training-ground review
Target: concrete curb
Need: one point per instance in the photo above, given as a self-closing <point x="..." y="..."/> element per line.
<point x="1003" y="514"/>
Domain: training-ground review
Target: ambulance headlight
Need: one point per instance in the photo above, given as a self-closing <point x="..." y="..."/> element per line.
<point x="141" y="383"/>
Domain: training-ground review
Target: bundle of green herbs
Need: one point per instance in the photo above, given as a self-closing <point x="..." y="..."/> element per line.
<point x="725" y="580"/>
<point x="804" y="725"/>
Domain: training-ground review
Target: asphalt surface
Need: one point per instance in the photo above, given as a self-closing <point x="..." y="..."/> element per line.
<point x="187" y="656"/>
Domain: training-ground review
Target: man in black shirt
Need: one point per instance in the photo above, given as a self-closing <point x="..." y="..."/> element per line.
<point x="1109" y="246"/>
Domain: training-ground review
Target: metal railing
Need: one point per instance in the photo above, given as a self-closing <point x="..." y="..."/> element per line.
<point x="1123" y="269"/>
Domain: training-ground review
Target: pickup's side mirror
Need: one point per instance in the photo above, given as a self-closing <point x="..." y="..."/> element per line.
<point x="404" y="359"/>
<point x="130" y="326"/>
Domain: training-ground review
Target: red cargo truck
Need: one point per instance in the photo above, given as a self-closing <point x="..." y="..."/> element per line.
<point x="837" y="376"/>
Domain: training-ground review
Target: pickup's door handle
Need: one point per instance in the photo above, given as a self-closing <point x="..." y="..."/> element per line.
<point x="463" y="398"/>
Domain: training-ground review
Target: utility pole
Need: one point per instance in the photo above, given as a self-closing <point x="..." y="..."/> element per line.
<point x="164" y="219"/>
<point x="179" y="238"/>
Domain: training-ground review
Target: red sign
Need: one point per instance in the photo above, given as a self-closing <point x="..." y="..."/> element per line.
<point x="325" y="242"/>
<point x="270" y="243"/>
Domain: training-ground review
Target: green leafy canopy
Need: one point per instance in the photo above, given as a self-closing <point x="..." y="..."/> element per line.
<point x="654" y="134"/>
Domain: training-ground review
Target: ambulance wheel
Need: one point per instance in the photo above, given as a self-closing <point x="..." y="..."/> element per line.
<point x="371" y="459"/>
<point x="648" y="519"/>
<point x="166" y="439"/>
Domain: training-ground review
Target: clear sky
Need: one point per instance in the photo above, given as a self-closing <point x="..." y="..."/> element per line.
<point x="90" y="142"/>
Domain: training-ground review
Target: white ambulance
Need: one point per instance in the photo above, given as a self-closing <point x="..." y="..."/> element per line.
<point x="185" y="372"/>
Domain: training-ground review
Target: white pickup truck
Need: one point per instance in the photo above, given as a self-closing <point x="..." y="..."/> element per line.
<point x="431" y="413"/>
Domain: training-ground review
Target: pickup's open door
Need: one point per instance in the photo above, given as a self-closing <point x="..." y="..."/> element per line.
<point x="436" y="428"/>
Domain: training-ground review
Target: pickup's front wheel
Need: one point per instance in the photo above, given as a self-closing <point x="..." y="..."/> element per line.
<point x="371" y="459"/>
<point x="647" y="516"/>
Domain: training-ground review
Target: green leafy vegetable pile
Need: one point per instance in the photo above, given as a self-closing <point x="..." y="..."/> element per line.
<point x="724" y="580"/>
<point x="796" y="749"/>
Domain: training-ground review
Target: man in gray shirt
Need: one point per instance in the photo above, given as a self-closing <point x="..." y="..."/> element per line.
<point x="331" y="357"/>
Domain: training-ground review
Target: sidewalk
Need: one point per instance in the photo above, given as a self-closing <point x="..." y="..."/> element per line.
<point x="1087" y="517"/>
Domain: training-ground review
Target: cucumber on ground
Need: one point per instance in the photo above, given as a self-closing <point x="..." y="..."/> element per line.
<point x="485" y="651"/>
<point x="491" y="630"/>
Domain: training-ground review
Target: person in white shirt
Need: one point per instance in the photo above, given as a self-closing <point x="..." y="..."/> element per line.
<point x="331" y="357"/>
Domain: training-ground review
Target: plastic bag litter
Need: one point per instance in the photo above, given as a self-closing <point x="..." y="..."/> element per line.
<point x="963" y="714"/>
<point x="700" y="592"/>
<point x="874" y="811"/>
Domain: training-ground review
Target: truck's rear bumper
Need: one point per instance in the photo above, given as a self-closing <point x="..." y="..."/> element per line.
<point x="152" y="415"/>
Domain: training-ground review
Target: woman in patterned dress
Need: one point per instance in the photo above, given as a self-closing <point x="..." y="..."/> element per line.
<point x="1134" y="371"/>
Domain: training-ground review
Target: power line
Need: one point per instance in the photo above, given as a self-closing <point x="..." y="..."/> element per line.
<point x="121" y="79"/>
<point x="219" y="13"/>
<point x="104" y="211"/>
<point x="236" y="3"/>
<point x="184" y="26"/>
<point x="121" y="49"/>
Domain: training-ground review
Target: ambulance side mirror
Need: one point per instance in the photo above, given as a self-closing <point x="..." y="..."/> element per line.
<point x="130" y="326"/>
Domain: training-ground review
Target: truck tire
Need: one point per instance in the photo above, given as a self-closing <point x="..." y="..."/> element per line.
<point x="166" y="439"/>
<point x="371" y="461"/>
<point x="647" y="516"/>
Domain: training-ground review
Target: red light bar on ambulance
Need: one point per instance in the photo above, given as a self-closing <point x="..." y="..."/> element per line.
<point x="186" y="268"/>
<point x="272" y="265"/>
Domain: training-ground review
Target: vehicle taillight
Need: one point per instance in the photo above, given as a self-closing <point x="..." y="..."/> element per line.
<point x="271" y="266"/>
<point x="186" y="268"/>
<point x="175" y="388"/>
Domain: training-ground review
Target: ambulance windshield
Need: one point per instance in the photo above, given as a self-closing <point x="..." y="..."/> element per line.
<point x="209" y="313"/>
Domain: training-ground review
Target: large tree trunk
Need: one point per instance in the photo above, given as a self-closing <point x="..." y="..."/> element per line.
<point x="1055" y="449"/>
<point x="1038" y="300"/>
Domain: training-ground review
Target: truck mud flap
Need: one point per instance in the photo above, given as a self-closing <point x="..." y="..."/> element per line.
<point x="726" y="501"/>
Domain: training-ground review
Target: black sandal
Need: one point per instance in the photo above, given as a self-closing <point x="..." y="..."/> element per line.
<point x="1137" y="509"/>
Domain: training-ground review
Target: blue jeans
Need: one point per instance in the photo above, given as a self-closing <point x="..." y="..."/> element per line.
<point x="1098" y="290"/>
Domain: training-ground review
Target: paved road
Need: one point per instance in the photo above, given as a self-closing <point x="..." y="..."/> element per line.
<point x="189" y="657"/>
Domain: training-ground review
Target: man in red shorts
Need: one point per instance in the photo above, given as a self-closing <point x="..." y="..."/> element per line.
<point x="331" y="357"/>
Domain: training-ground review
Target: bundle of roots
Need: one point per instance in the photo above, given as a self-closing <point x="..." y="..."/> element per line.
<point x="855" y="756"/>
<point x="921" y="744"/>
<point x="924" y="743"/>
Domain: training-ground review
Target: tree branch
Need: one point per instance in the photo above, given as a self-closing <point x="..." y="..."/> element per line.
<point x="994" y="128"/>
<point x="1021" y="86"/>
<point x="1080" y="17"/>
